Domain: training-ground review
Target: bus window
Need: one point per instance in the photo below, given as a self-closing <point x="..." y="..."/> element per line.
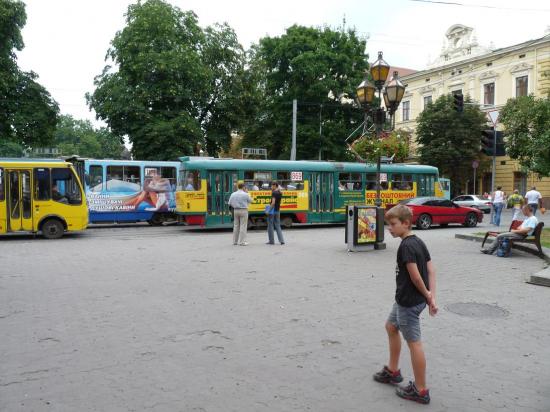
<point x="190" y="180"/>
<point x="1" y="184"/>
<point x="401" y="181"/>
<point x="285" y="181"/>
<point x="257" y="180"/>
<point x="65" y="187"/>
<point x="169" y="173"/>
<point x="27" y="194"/>
<point x="371" y="183"/>
<point x="42" y="186"/>
<point x="96" y="178"/>
<point x="349" y="182"/>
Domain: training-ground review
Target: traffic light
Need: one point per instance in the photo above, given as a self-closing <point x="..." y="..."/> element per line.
<point x="488" y="139"/>
<point x="458" y="102"/>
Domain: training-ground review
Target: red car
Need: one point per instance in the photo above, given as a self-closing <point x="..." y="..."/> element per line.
<point x="428" y="211"/>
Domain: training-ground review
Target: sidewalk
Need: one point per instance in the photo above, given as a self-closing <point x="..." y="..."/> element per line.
<point x="175" y="320"/>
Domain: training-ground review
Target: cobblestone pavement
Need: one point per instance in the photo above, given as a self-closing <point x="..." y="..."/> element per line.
<point x="168" y="319"/>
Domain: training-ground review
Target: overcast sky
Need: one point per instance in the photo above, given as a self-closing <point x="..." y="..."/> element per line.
<point x="66" y="40"/>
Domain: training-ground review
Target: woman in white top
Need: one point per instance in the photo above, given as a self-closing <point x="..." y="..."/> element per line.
<point x="499" y="198"/>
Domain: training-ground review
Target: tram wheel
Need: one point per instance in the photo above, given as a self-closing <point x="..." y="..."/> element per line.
<point x="156" y="220"/>
<point x="286" y="221"/>
<point x="52" y="229"/>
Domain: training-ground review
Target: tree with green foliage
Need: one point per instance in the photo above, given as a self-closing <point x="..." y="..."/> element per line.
<point x="307" y="64"/>
<point x="28" y="114"/>
<point x="172" y="85"/>
<point x="450" y="140"/>
<point x="527" y="132"/>
<point x="79" y="137"/>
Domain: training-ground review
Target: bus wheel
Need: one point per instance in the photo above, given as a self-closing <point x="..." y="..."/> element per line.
<point x="424" y="222"/>
<point x="286" y="221"/>
<point x="156" y="220"/>
<point x="52" y="229"/>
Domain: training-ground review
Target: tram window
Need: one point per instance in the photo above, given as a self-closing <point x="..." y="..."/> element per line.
<point x="114" y="173"/>
<point x="96" y="178"/>
<point x="169" y="173"/>
<point x="65" y="187"/>
<point x="132" y="174"/>
<point x="255" y="180"/>
<point x="190" y="180"/>
<point x="42" y="184"/>
<point x="349" y="182"/>
<point x="2" y="196"/>
<point x="285" y="181"/>
<point x="371" y="183"/>
<point x="402" y="181"/>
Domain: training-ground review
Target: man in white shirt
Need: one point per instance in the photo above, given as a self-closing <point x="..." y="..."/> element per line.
<point x="526" y="229"/>
<point x="239" y="201"/>
<point x="533" y="198"/>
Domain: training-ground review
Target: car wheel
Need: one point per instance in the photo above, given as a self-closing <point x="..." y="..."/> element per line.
<point x="471" y="220"/>
<point x="52" y="229"/>
<point x="424" y="222"/>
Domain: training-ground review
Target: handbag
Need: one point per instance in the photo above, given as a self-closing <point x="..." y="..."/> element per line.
<point x="269" y="210"/>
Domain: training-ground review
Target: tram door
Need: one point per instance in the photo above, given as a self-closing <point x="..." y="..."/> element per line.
<point x="221" y="185"/>
<point x="321" y="199"/>
<point x="19" y="200"/>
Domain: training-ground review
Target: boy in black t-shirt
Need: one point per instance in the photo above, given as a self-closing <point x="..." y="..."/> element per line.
<point x="415" y="279"/>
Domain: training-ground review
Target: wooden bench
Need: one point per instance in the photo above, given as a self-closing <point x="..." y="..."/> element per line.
<point x="533" y="239"/>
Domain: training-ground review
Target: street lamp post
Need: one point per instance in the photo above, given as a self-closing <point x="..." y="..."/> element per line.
<point x="392" y="95"/>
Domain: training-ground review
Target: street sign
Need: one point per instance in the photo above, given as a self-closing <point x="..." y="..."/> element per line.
<point x="493" y="116"/>
<point x="475" y="164"/>
<point x="383" y="177"/>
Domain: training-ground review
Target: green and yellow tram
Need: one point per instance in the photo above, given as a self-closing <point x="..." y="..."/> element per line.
<point x="313" y="192"/>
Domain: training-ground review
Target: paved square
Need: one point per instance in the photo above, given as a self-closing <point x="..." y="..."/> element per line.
<point x="168" y="319"/>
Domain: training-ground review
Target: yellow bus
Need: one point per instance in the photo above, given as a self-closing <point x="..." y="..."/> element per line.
<point x="38" y="195"/>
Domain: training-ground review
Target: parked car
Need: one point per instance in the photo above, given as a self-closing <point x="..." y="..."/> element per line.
<point x="428" y="211"/>
<point x="482" y="203"/>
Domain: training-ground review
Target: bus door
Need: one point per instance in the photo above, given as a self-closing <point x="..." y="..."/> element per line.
<point x="221" y="185"/>
<point x="321" y="199"/>
<point x="19" y="200"/>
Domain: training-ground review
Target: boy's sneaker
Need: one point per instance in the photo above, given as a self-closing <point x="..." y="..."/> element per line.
<point x="411" y="393"/>
<point x="387" y="376"/>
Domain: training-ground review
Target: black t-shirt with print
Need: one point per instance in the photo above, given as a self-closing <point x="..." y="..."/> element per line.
<point x="277" y="195"/>
<point x="411" y="250"/>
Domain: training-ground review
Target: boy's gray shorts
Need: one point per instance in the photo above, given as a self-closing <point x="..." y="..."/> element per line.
<point x="407" y="320"/>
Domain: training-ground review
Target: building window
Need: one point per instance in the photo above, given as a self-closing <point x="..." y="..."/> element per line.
<point x="489" y="93"/>
<point x="427" y="101"/>
<point x="406" y="110"/>
<point x="455" y="92"/>
<point x="521" y="86"/>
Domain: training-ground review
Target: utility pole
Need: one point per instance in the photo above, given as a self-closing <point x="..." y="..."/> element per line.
<point x="320" y="131"/>
<point x="294" y="117"/>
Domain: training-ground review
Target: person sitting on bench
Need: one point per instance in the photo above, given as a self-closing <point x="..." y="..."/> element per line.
<point x="524" y="230"/>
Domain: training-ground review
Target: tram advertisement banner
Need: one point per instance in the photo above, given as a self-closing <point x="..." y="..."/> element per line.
<point x="156" y="196"/>
<point x="389" y="197"/>
<point x="365" y="225"/>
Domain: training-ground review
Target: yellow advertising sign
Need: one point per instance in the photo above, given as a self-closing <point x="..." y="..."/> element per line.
<point x="192" y="201"/>
<point x="388" y="197"/>
<point x="292" y="201"/>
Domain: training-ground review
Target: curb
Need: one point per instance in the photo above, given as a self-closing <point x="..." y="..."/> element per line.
<point x="541" y="278"/>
